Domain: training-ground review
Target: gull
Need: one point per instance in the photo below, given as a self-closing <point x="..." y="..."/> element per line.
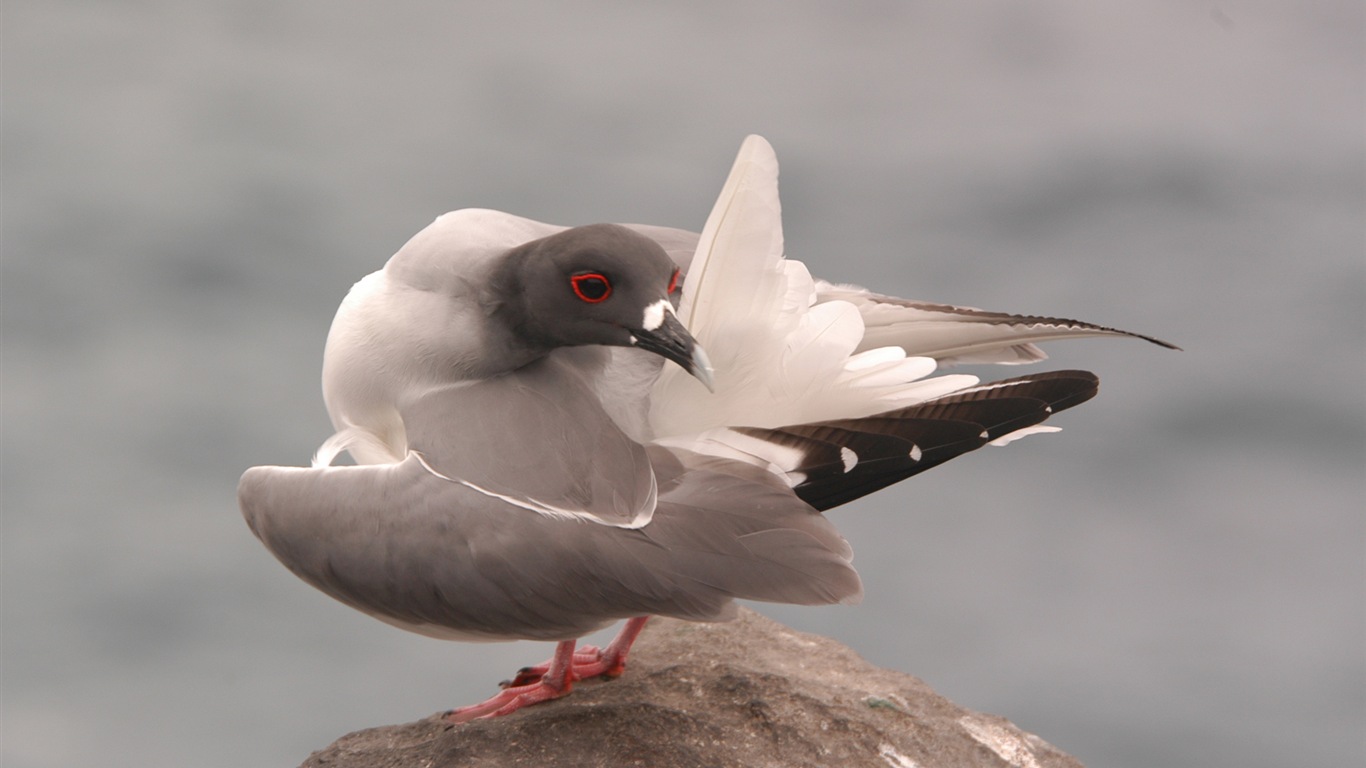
<point x="558" y="428"/>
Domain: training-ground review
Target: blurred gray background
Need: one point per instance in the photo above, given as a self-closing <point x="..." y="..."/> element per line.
<point x="189" y="189"/>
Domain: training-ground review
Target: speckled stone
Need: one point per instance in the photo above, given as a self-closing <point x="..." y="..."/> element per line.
<point x="749" y="693"/>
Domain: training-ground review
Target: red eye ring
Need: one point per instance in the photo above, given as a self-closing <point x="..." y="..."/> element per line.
<point x="673" y="281"/>
<point x="592" y="287"/>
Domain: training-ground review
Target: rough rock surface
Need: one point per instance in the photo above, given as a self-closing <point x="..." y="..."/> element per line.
<point x="749" y="693"/>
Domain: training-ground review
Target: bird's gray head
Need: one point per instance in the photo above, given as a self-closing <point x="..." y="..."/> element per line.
<point x="597" y="284"/>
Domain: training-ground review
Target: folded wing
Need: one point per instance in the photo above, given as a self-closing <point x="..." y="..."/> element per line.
<point x="536" y="438"/>
<point x="439" y="558"/>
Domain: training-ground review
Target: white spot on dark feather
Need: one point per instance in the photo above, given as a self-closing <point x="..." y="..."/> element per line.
<point x="849" y="458"/>
<point x="915" y="453"/>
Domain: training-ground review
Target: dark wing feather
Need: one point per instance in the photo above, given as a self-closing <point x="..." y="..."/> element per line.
<point x="845" y="459"/>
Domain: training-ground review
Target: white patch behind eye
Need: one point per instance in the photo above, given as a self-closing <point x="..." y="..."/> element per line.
<point x="654" y="314"/>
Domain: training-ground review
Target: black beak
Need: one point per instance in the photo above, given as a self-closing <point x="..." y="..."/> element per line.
<point x="672" y="341"/>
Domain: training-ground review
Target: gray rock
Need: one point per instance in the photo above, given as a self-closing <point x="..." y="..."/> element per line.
<point x="749" y="693"/>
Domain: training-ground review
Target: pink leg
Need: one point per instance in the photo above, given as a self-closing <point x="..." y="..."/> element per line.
<point x="612" y="661"/>
<point x="588" y="661"/>
<point x="556" y="682"/>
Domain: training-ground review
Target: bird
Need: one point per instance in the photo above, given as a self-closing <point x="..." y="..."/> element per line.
<point x="556" y="428"/>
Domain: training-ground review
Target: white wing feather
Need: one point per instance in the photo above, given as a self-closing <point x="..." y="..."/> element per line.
<point x="780" y="358"/>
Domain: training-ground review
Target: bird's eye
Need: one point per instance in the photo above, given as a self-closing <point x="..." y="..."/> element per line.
<point x="673" y="281"/>
<point x="592" y="287"/>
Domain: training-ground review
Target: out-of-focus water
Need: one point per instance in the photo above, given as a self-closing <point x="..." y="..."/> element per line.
<point x="1177" y="579"/>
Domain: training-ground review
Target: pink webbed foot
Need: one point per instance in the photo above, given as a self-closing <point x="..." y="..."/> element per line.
<point x="589" y="661"/>
<point x="584" y="658"/>
<point x="557" y="681"/>
<point x="510" y="700"/>
<point x="555" y="678"/>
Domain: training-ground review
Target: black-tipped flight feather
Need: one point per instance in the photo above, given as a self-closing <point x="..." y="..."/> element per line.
<point x="844" y="459"/>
